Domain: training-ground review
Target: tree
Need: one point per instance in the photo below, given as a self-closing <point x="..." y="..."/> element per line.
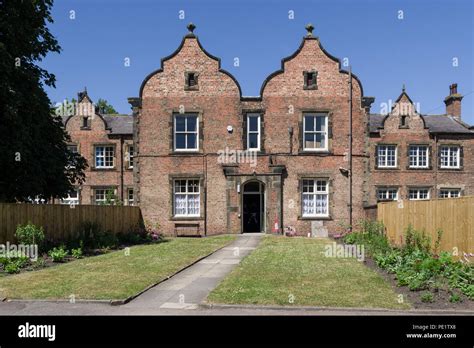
<point x="34" y="158"/>
<point x="104" y="107"/>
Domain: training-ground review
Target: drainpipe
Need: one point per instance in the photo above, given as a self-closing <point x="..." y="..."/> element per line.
<point x="205" y="194"/>
<point x="350" y="149"/>
<point x="121" y="168"/>
<point x="281" y="204"/>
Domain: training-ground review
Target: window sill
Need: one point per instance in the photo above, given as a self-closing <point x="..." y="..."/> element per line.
<point x="315" y="152"/>
<point x="387" y="168"/>
<point x="185" y="152"/>
<point x="186" y="218"/>
<point x="419" y="168"/>
<point x="314" y="218"/>
<point x="450" y="169"/>
<point x="94" y="169"/>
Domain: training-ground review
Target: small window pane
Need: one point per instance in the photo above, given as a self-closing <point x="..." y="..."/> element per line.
<point x="320" y="140"/>
<point x="253" y="140"/>
<point x="191" y="126"/>
<point x="309" y="123"/>
<point x="191" y="141"/>
<point x="321" y="123"/>
<point x="309" y="141"/>
<point x="253" y="123"/>
<point x="180" y="123"/>
<point x="180" y="141"/>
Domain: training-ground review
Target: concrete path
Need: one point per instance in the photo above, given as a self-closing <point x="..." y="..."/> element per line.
<point x="190" y="287"/>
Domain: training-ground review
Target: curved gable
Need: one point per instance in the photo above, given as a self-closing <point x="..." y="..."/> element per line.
<point x="286" y="61"/>
<point x="190" y="42"/>
<point x="404" y="107"/>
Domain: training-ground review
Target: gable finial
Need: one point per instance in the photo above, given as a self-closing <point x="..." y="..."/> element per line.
<point x="309" y="28"/>
<point x="403" y="88"/>
<point x="191" y="27"/>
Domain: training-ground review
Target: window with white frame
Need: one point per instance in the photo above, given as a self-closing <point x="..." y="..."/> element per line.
<point x="315" y="129"/>
<point x="387" y="194"/>
<point x="386" y="156"/>
<point x="130" y="196"/>
<point x="449" y="193"/>
<point x="449" y="156"/>
<point x="186" y="132"/>
<point x="315" y="198"/>
<point x="418" y="156"/>
<point x="101" y="195"/>
<point x="72" y="198"/>
<point x="186" y="194"/>
<point x="418" y="193"/>
<point x="253" y="132"/>
<point x="130" y="156"/>
<point x="104" y="156"/>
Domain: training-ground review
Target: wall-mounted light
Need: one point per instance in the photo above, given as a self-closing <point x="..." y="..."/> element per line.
<point x="230" y="129"/>
<point x="238" y="188"/>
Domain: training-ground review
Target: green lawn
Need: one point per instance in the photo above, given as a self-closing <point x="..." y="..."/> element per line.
<point x="295" y="271"/>
<point x="113" y="275"/>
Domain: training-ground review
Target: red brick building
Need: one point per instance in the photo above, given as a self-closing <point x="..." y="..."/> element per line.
<point x="209" y="160"/>
<point x="417" y="156"/>
<point x="106" y="142"/>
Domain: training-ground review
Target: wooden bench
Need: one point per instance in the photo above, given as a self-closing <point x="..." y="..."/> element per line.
<point x="187" y="229"/>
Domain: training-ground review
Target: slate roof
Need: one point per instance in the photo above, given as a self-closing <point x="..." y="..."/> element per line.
<point x="117" y="123"/>
<point x="435" y="123"/>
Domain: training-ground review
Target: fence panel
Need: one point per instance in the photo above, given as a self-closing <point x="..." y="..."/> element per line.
<point x="61" y="222"/>
<point x="454" y="216"/>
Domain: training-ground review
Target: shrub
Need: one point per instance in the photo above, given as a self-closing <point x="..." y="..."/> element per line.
<point x="153" y="233"/>
<point x="415" y="240"/>
<point x="12" y="267"/>
<point x="30" y="234"/>
<point x="415" y="264"/>
<point x="76" y="253"/>
<point x="92" y="236"/>
<point x="427" y="297"/>
<point x="58" y="254"/>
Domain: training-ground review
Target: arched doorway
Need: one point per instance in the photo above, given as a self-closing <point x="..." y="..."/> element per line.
<point x="253" y="207"/>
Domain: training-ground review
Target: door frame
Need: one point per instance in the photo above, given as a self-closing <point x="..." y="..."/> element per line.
<point x="263" y="207"/>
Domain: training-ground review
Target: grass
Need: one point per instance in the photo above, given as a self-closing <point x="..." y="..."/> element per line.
<point x="295" y="271"/>
<point x="113" y="275"/>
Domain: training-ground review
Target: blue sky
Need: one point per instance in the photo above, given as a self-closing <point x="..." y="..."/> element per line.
<point x="384" y="51"/>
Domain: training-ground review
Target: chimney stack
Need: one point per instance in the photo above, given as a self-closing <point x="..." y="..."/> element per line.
<point x="453" y="102"/>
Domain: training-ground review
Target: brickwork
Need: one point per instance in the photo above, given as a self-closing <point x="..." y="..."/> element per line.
<point x="120" y="176"/>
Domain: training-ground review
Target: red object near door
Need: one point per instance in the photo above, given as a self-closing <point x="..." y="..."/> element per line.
<point x="275" y="226"/>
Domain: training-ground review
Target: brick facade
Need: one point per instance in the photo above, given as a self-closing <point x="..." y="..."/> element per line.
<point x="190" y="121"/>
<point x="415" y="130"/>
<point x="107" y="131"/>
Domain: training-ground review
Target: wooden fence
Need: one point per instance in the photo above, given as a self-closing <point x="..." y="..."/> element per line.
<point x="454" y="216"/>
<point x="61" y="222"/>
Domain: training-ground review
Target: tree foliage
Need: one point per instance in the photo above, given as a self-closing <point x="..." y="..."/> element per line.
<point x="104" y="107"/>
<point x="34" y="158"/>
